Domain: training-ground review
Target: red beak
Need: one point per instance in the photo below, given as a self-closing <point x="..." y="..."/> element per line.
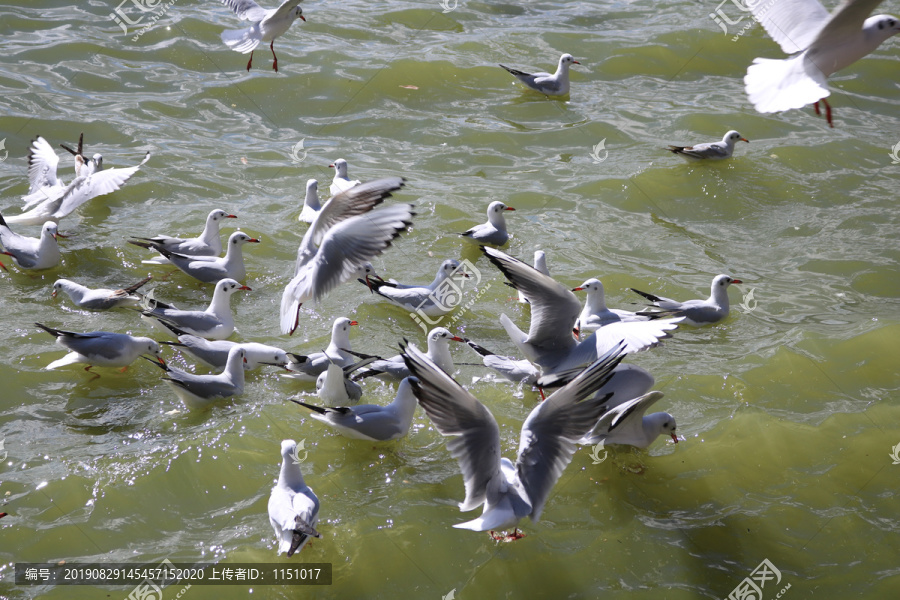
<point x="575" y="62"/>
<point x="231" y="216"/>
<point x="675" y="438"/>
<point x="304" y="20"/>
<point x="578" y="289"/>
<point x="331" y="166"/>
<point x="509" y="208"/>
<point x="253" y="241"/>
<point x="244" y="287"/>
<point x="736" y="281"/>
<point x="354" y="323"/>
<point x="456" y="338"/>
<point x="576" y="332"/>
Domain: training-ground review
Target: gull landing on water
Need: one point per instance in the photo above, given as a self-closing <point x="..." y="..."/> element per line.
<point x="711" y="150"/>
<point x="267" y="26"/>
<point x="821" y="44"/>
<point x="556" y="84"/>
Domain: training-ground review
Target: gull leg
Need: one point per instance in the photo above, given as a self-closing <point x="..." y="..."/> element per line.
<point x="828" y="112"/>
<point x="543" y="397"/>
<point x="2" y="266"/>
<point x="272" y="48"/>
<point x="816" y="106"/>
<point x="250" y="61"/>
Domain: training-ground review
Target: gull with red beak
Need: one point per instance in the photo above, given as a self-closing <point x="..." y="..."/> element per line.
<point x="695" y="312"/>
<point x="338" y="352"/>
<point x="710" y="150"/>
<point x="209" y="269"/>
<point x="556" y="84"/>
<point x="101" y="348"/>
<point x="199" y="391"/>
<point x="30" y="253"/>
<point x="267" y="26"/>
<point x="626" y="424"/>
<point x="595" y="313"/>
<point x="214" y="323"/>
<point x="494" y="231"/>
<point x="208" y="243"/>
<point x="395" y="369"/>
<point x="425" y="298"/>
<point x="100" y="298"/>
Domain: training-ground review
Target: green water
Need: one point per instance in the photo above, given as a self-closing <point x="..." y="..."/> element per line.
<point x="789" y="411"/>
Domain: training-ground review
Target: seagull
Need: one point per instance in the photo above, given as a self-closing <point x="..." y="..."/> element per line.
<point x="43" y="162"/>
<point x="394" y="368"/>
<point x="341" y="182"/>
<point x="711" y="150"/>
<point x="293" y="506"/>
<point x="515" y="370"/>
<point x="554" y="310"/>
<point x="540" y="263"/>
<point x="695" y="312"/>
<point x="425" y="298"/>
<point x="31" y="253"/>
<point x="57" y="202"/>
<point x="626" y="424"/>
<point x="207" y="243"/>
<point x="209" y="269"/>
<point x="100" y="298"/>
<point x="198" y="391"/>
<point x="370" y="421"/>
<point x="595" y="314"/>
<point x="311" y="206"/>
<point x="820" y="44"/>
<point x="266" y="26"/>
<point x="335" y="387"/>
<point x="344" y="236"/>
<point x="101" y="348"/>
<point x="308" y="368"/>
<point x="214" y="323"/>
<point x="546" y="444"/>
<point x="545" y="83"/>
<point x="494" y="231"/>
<point x="215" y="353"/>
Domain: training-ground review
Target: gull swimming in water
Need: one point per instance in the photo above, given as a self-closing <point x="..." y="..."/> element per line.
<point x="100" y="298"/>
<point x="209" y="269"/>
<point x="101" y="348"/>
<point x="710" y="150"/>
<point x="341" y="181"/>
<point x="695" y="312"/>
<point x="494" y="231"/>
<point x="28" y="252"/>
<point x="208" y="243"/>
<point x="556" y="84"/>
<point x="293" y="506"/>
<point x="214" y="323"/>
<point x="311" y="206"/>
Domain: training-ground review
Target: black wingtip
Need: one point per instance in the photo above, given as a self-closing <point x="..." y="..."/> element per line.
<point x="311" y="407"/>
<point x="479" y="349"/>
<point x="50" y="330"/>
<point x="650" y="297"/>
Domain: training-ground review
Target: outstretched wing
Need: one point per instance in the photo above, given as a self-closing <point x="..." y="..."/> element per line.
<point x="455" y="412"/>
<point x="246" y="10"/>
<point x="42" y="164"/>
<point x="96" y="184"/>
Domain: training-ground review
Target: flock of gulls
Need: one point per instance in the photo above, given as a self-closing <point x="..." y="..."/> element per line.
<point x="572" y="354"/>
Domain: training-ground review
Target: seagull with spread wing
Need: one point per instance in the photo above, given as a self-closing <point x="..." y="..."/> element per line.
<point x="266" y="26"/>
<point x="345" y="235"/>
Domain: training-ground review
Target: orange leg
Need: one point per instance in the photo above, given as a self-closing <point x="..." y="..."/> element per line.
<point x="250" y="61"/>
<point x="272" y="48"/>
